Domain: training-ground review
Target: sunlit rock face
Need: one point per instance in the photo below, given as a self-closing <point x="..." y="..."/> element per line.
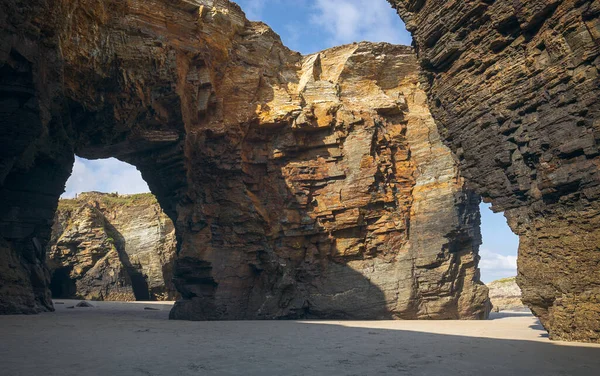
<point x="505" y="295"/>
<point x="111" y="247"/>
<point x="514" y="86"/>
<point x="299" y="186"/>
<point x="345" y="203"/>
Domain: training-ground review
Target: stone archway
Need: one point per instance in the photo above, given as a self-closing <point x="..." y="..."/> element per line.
<point x="161" y="107"/>
<point x="291" y="192"/>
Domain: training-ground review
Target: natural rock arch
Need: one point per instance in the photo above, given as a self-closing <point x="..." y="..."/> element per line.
<point x="521" y="61"/>
<point x="292" y="181"/>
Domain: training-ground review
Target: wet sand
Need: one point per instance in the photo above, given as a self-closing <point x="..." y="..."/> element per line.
<point x="127" y="339"/>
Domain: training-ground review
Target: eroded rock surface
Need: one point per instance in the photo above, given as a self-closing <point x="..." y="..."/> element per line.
<point x="352" y="206"/>
<point x="110" y="247"/>
<point x="299" y="186"/>
<point x="505" y="294"/>
<point x="514" y="87"/>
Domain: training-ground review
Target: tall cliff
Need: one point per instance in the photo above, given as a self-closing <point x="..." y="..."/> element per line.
<point x="299" y="186"/>
<point x="177" y="88"/>
<point x="341" y="202"/>
<point x="110" y="247"/>
<point x="514" y="87"/>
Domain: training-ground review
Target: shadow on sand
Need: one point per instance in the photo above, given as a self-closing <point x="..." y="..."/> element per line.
<point x="123" y="342"/>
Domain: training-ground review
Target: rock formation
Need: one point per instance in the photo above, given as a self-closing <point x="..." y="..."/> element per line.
<point x="505" y="294"/>
<point x="184" y="89"/>
<point x="110" y="247"/>
<point x="352" y="207"/>
<point x="514" y="87"/>
<point x="299" y="186"/>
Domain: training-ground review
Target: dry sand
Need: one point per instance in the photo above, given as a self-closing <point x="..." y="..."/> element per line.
<point x="126" y="339"/>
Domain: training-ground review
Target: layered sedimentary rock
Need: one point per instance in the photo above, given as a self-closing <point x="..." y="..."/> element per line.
<point x="299" y="186"/>
<point x="505" y="294"/>
<point x="111" y="247"/>
<point x="514" y="86"/>
<point x="352" y="206"/>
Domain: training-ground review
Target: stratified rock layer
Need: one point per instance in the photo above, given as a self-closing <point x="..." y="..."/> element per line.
<point x="505" y="294"/>
<point x="346" y="204"/>
<point x="514" y="87"/>
<point x="110" y="247"/>
<point x="299" y="186"/>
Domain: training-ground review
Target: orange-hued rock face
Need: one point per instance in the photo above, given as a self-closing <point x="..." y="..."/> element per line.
<point x="350" y="207"/>
<point x="299" y="186"/>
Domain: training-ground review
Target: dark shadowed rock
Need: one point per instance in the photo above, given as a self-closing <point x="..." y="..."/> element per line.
<point x="514" y="87"/>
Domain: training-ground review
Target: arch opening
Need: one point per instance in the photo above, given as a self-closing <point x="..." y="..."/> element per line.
<point x="110" y="240"/>
<point x="108" y="175"/>
<point x="499" y="246"/>
<point x="498" y="261"/>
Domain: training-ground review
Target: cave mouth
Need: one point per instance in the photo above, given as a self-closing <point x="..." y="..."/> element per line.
<point x="62" y="285"/>
<point x="111" y="239"/>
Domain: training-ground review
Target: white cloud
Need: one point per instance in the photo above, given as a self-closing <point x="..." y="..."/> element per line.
<point x="338" y="21"/>
<point x="105" y="175"/>
<point x="348" y="21"/>
<point x="494" y="265"/>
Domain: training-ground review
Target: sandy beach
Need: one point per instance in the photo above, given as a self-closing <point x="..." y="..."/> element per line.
<point x="138" y="339"/>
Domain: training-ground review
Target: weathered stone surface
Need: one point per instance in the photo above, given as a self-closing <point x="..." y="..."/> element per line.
<point x="353" y="207"/>
<point x="505" y="294"/>
<point x="514" y="86"/>
<point x="110" y="247"/>
<point x="299" y="186"/>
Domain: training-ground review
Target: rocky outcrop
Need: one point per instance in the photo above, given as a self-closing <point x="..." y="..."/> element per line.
<point x="181" y="89"/>
<point x="505" y="295"/>
<point x="111" y="247"/>
<point x="299" y="186"/>
<point x="352" y="206"/>
<point x="514" y="89"/>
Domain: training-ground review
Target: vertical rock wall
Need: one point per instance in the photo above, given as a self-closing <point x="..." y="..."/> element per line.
<point x="351" y="207"/>
<point x="35" y="155"/>
<point x="514" y="89"/>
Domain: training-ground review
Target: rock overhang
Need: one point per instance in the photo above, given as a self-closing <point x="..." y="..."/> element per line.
<point x="538" y="161"/>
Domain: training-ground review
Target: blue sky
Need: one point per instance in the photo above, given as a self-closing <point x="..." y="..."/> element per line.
<point x="104" y="175"/>
<point x="309" y="26"/>
<point x="499" y="249"/>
